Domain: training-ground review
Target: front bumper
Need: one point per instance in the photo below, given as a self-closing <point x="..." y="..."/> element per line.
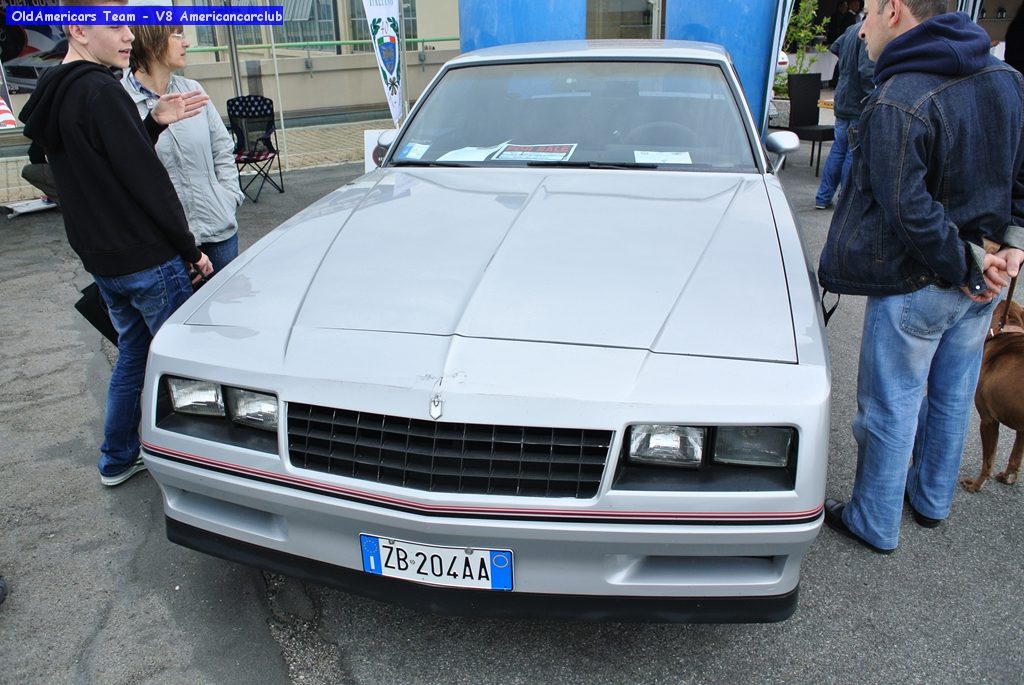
<point x="482" y="603"/>
<point x="608" y="570"/>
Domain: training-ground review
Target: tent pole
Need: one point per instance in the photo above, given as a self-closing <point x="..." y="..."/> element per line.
<point x="236" y="78"/>
<point x="280" y="109"/>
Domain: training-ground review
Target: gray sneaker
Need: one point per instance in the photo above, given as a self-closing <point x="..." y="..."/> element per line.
<point x="111" y="481"/>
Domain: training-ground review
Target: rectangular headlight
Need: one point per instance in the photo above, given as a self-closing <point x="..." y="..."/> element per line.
<point x="753" y="445"/>
<point x="195" y="397"/>
<point x="666" y="445"/>
<point x="251" y="408"/>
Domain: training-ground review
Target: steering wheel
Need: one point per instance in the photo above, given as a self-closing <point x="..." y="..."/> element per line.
<point x="666" y="133"/>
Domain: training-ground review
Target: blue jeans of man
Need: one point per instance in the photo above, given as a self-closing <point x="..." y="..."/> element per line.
<point x="919" y="361"/>
<point x="837" y="165"/>
<point x="221" y="252"/>
<point x="138" y="305"/>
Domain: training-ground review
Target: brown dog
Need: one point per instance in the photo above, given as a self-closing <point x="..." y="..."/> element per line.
<point x="999" y="397"/>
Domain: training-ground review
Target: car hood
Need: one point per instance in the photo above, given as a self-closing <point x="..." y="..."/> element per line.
<point x="678" y="263"/>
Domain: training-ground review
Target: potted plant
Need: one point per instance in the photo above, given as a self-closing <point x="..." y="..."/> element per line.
<point x="804" y="37"/>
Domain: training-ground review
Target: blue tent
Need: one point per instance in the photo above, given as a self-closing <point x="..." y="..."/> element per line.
<point x="751" y="30"/>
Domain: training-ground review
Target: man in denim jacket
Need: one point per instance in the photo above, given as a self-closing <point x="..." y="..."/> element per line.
<point x="938" y="170"/>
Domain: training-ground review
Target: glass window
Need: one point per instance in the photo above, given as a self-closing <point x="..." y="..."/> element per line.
<point x="211" y="36"/>
<point x="360" y="30"/>
<point x="622" y="18"/>
<point x="318" y="24"/>
<point x="675" y="115"/>
<point x="309" y="20"/>
<point x="249" y="35"/>
<point x="206" y="36"/>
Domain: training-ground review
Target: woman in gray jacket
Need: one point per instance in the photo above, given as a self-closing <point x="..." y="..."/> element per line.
<point x="198" y="152"/>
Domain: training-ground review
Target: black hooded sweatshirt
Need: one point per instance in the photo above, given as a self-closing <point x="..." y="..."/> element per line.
<point x="121" y="212"/>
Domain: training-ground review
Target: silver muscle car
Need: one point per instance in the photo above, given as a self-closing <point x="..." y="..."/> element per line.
<point x="561" y="356"/>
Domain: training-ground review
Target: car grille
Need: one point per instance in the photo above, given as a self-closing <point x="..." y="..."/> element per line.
<point x="448" y="457"/>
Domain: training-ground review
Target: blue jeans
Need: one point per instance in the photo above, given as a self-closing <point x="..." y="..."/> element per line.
<point x="837" y="165"/>
<point x="919" y="360"/>
<point x="138" y="305"/>
<point x="221" y="252"/>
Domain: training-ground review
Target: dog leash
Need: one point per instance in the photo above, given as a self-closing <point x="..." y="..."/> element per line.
<point x="827" y="311"/>
<point x="1003" y="328"/>
<point x="1009" y="298"/>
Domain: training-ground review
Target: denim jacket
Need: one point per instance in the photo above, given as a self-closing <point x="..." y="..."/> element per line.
<point x="938" y="165"/>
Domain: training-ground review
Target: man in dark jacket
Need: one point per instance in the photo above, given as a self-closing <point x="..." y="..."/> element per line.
<point x="840" y="20"/>
<point x="121" y="213"/>
<point x="856" y="74"/>
<point x="1014" y="48"/>
<point x="938" y="168"/>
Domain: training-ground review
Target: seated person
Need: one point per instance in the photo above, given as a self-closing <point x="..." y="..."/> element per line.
<point x="37" y="172"/>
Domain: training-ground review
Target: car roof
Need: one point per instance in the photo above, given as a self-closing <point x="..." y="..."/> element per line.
<point x="589" y="49"/>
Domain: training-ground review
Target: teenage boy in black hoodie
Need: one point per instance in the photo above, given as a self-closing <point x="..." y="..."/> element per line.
<point x="121" y="212"/>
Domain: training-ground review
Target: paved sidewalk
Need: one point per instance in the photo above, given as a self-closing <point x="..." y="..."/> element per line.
<point x="301" y="148"/>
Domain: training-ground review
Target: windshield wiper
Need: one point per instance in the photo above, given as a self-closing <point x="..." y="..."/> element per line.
<point x="420" y="162"/>
<point x="593" y="165"/>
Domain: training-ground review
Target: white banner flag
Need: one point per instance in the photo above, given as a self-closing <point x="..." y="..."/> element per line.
<point x="383" y="17"/>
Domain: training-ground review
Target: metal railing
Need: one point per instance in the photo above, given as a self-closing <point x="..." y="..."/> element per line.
<point x="416" y="44"/>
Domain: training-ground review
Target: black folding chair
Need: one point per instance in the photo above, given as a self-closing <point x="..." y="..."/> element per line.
<point x="252" y="122"/>
<point x="804" y="92"/>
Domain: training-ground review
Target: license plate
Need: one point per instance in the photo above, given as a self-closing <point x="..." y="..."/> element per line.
<point x="481" y="569"/>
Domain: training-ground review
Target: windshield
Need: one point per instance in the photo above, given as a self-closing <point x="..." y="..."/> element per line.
<point x="644" y="114"/>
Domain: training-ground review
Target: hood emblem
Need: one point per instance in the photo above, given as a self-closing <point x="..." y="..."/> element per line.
<point x="436" y="406"/>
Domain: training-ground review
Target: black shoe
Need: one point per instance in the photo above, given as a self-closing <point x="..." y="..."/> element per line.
<point x="834" y="520"/>
<point x="919" y="518"/>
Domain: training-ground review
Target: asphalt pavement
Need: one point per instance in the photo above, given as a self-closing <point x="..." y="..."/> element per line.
<point x="98" y="595"/>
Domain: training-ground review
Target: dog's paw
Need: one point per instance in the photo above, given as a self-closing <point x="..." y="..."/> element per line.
<point x="1007" y="477"/>
<point x="972" y="484"/>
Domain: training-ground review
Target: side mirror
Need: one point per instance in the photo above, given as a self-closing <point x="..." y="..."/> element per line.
<point x="781" y="143"/>
<point x="384" y="141"/>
